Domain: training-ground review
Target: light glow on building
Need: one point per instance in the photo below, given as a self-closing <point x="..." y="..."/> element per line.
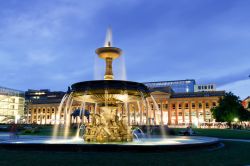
<point x="11" y="105"/>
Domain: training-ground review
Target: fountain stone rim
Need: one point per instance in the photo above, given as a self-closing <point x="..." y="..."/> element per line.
<point x="116" y="85"/>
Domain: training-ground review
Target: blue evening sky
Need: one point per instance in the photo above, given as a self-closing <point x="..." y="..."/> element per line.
<point x="51" y="43"/>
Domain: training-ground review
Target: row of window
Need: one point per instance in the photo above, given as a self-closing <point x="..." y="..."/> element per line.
<point x="192" y="114"/>
<point x="205" y="87"/>
<point x="43" y="110"/>
<point x="39" y="110"/>
<point x="43" y="117"/>
<point x="186" y="106"/>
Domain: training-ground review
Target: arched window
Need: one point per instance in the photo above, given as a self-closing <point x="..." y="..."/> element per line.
<point x="200" y="105"/>
<point x="207" y="105"/>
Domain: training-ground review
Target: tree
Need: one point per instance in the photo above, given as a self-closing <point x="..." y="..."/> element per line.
<point x="229" y="109"/>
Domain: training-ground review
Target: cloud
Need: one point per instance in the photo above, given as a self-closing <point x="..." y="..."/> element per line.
<point x="40" y="58"/>
<point x="240" y="88"/>
<point x="229" y="78"/>
<point x="47" y="43"/>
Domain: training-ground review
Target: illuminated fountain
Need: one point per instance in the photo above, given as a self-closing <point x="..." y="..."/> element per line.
<point x="110" y="120"/>
<point x="107" y="109"/>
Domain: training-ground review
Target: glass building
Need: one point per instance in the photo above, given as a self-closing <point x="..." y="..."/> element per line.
<point x="178" y="86"/>
<point x="11" y="105"/>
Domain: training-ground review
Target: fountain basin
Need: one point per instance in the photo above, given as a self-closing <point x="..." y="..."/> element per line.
<point x="108" y="90"/>
<point x="144" y="145"/>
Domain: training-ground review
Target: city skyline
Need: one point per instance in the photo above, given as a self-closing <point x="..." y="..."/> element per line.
<point x="51" y="44"/>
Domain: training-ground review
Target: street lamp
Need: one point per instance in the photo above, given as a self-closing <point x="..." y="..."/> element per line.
<point x="236" y="119"/>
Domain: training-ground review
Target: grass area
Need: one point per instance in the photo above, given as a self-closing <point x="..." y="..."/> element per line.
<point x="48" y="131"/>
<point x="234" y="153"/>
<point x="221" y="133"/>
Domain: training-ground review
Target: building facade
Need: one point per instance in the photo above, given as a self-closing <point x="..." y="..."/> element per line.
<point x="166" y="107"/>
<point x="204" y="87"/>
<point x="11" y="105"/>
<point x="42" y="105"/>
<point x="186" y="108"/>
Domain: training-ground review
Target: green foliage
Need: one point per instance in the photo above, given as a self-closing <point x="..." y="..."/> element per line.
<point x="229" y="108"/>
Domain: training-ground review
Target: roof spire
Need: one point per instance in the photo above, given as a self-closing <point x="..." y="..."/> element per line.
<point x="108" y="40"/>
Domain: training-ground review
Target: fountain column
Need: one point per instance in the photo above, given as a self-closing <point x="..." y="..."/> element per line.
<point x="108" y="53"/>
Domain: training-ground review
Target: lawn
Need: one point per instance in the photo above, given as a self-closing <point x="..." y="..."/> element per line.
<point x="221" y="133"/>
<point x="234" y="153"/>
<point x="48" y="131"/>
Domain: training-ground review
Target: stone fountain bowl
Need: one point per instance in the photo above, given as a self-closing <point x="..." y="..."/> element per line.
<point x="45" y="143"/>
<point x="108" y="90"/>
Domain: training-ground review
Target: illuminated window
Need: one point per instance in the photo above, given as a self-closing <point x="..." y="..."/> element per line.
<point x="173" y="106"/>
<point x="186" y="105"/>
<point x="180" y="106"/>
<point x="200" y="105"/>
<point x="207" y="105"/>
<point x="193" y="106"/>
